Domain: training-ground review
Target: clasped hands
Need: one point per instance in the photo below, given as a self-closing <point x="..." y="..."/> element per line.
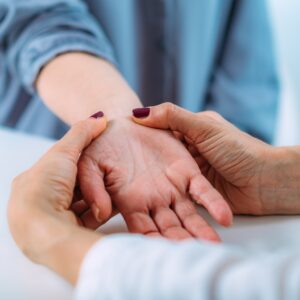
<point x="150" y="177"/>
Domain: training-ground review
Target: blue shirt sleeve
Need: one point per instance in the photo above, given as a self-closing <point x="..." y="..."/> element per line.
<point x="36" y="31"/>
<point x="245" y="84"/>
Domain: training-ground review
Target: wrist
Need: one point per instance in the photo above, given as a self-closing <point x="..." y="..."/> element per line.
<point x="55" y="242"/>
<point x="76" y="85"/>
<point x="121" y="106"/>
<point x="66" y="253"/>
<point x="280" y="183"/>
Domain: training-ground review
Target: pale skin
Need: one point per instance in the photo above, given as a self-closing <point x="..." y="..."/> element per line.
<point x="151" y="168"/>
<point x="51" y="229"/>
<point x="42" y="212"/>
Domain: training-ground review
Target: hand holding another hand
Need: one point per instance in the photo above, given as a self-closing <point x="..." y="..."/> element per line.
<point x="47" y="221"/>
<point x="254" y="178"/>
<point x="150" y="178"/>
<point x="40" y="213"/>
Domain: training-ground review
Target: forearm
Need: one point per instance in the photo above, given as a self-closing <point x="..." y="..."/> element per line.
<point x="76" y="85"/>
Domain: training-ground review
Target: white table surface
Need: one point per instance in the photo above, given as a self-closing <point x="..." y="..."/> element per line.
<point x="21" y="279"/>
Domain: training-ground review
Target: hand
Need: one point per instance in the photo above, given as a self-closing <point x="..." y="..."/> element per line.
<point x="150" y="178"/>
<point x="39" y="214"/>
<point x="247" y="172"/>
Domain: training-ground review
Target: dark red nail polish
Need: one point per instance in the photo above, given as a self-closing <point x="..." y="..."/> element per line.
<point x="141" y="112"/>
<point x="97" y="115"/>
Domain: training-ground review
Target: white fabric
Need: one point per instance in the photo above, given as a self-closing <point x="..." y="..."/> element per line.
<point x="135" y="267"/>
<point x="22" y="279"/>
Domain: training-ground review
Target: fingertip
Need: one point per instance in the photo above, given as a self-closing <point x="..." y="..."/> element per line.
<point x="227" y="222"/>
<point x="136" y="120"/>
<point x="99" y="117"/>
<point x="99" y="122"/>
<point x="102" y="123"/>
<point x="211" y="236"/>
<point x="205" y="194"/>
<point x="102" y="211"/>
<point x="141" y="113"/>
<point x="214" y="238"/>
<point x="96" y="211"/>
<point x="223" y="215"/>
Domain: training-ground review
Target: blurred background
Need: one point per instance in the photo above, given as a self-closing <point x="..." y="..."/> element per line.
<point x="285" y="15"/>
<point x="286" y="21"/>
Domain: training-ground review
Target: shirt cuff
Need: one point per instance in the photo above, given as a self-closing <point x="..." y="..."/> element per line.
<point x="40" y="52"/>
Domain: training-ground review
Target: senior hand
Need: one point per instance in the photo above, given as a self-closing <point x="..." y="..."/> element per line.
<point x="39" y="214"/>
<point x="251" y="175"/>
<point x="149" y="176"/>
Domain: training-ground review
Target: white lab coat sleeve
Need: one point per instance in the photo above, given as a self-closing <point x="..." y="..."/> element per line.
<point x="136" y="267"/>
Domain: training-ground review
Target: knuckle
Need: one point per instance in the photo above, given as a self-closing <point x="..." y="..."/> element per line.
<point x="170" y="110"/>
<point x="169" y="106"/>
<point x="213" y="115"/>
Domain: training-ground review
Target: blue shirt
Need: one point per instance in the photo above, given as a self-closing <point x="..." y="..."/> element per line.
<point x="214" y="54"/>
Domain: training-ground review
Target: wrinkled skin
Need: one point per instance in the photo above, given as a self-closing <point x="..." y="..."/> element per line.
<point x="246" y="171"/>
<point x="149" y="177"/>
<point x="239" y="162"/>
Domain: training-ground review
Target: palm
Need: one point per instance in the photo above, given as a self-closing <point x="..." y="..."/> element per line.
<point x="147" y="174"/>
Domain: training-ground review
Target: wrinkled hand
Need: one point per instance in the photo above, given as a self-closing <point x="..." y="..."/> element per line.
<point x="150" y="178"/>
<point x="236" y="164"/>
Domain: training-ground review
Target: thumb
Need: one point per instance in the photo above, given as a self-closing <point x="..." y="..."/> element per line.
<point x="170" y="116"/>
<point x="79" y="137"/>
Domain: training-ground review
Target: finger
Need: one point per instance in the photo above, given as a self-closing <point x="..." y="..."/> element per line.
<point x="169" y="224"/>
<point x="175" y="118"/>
<point x="193" y="222"/>
<point x="154" y="234"/>
<point x="206" y="169"/>
<point x="141" y="222"/>
<point x="205" y="194"/>
<point x="93" y="188"/>
<point x="79" y="137"/>
<point x="79" y="207"/>
<point x="88" y="220"/>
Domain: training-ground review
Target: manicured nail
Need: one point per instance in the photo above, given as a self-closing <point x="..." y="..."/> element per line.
<point x="97" y="115"/>
<point x="141" y="112"/>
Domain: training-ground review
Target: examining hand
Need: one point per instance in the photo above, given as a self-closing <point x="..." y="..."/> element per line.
<point x="40" y="216"/>
<point x="252" y="176"/>
<point x="150" y="178"/>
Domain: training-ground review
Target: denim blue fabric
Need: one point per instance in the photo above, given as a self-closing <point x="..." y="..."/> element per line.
<point x="215" y="54"/>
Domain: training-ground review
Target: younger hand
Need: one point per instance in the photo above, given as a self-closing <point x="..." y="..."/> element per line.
<point x="39" y="213"/>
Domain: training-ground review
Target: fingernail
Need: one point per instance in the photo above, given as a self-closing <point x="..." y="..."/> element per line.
<point x="97" y="115"/>
<point x="96" y="211"/>
<point x="141" y="112"/>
